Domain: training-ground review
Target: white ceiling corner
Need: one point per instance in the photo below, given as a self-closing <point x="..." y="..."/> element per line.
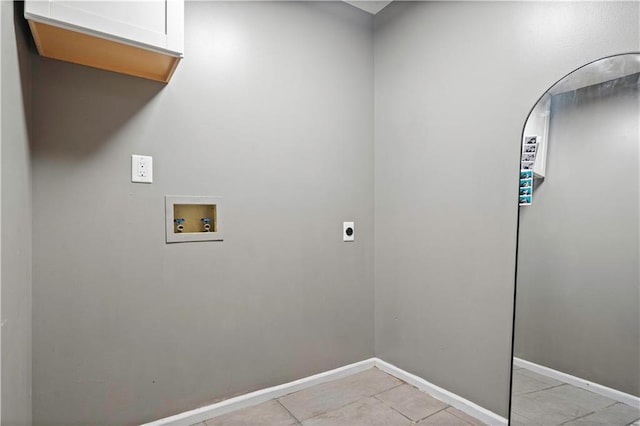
<point x="371" y="6"/>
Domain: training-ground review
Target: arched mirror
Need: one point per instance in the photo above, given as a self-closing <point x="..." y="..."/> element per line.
<point x="577" y="303"/>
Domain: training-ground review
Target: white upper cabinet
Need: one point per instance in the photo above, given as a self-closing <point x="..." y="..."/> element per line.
<point x="77" y="31"/>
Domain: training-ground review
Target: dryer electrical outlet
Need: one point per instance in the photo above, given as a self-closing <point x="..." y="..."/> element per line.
<point x="348" y="231"/>
<point x="141" y="168"/>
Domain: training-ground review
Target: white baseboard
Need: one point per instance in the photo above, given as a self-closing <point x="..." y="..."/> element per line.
<point x="443" y="395"/>
<point x="611" y="393"/>
<point x="247" y="400"/>
<point x="263" y="395"/>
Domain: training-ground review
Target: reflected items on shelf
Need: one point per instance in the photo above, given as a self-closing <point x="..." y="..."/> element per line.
<point x="527" y="160"/>
<point x="526" y="187"/>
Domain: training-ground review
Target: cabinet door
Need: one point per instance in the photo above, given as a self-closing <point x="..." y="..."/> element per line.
<point x="156" y="24"/>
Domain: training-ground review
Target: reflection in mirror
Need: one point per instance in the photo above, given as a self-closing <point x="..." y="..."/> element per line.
<point x="577" y="313"/>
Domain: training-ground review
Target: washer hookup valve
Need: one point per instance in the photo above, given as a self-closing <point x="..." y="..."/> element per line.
<point x="206" y="224"/>
<point x="179" y="224"/>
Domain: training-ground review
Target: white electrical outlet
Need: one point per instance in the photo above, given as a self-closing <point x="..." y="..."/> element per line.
<point x="348" y="231"/>
<point x="141" y="168"/>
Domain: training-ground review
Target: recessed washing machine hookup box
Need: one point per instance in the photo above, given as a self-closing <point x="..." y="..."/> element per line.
<point x="192" y="218"/>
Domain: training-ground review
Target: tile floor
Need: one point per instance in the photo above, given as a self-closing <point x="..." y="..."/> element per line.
<point x="540" y="400"/>
<point x="369" y="398"/>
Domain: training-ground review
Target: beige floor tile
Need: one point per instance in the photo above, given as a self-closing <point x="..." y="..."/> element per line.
<point x="546" y="408"/>
<point x="443" y="418"/>
<point x="366" y="412"/>
<point x="517" y="420"/>
<point x="564" y="404"/>
<point x="411" y="402"/>
<point x="269" y="413"/>
<point x="582" y="398"/>
<point x="338" y="393"/>
<point x="540" y="377"/>
<point x="464" y="416"/>
<point x="615" y="415"/>
<point x="524" y="384"/>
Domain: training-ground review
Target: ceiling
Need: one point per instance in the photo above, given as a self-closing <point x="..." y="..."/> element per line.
<point x="597" y="72"/>
<point x="371" y="6"/>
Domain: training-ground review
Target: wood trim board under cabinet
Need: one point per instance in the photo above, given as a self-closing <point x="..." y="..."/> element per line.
<point x="79" y="48"/>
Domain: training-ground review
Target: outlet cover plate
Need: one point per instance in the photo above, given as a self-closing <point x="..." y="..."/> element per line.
<point x="141" y="168"/>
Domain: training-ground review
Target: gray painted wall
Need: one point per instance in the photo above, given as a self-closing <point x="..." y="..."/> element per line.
<point x="16" y="218"/>
<point x="454" y="83"/>
<point x="578" y="292"/>
<point x="128" y="329"/>
<point x="272" y="109"/>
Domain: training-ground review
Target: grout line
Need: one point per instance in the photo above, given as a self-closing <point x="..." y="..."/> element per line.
<point x="426" y="393"/>
<point x="288" y="411"/>
<point x="524" y="417"/>
<point x="579" y="417"/>
<point x="541" y="390"/>
<point x="376" y="397"/>
<point x="421" y="418"/>
<point x="389" y="406"/>
<point x="337" y="409"/>
<point x="387" y="390"/>
<point x="358" y="400"/>
<point x="470" y="424"/>
<point x="434" y="413"/>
